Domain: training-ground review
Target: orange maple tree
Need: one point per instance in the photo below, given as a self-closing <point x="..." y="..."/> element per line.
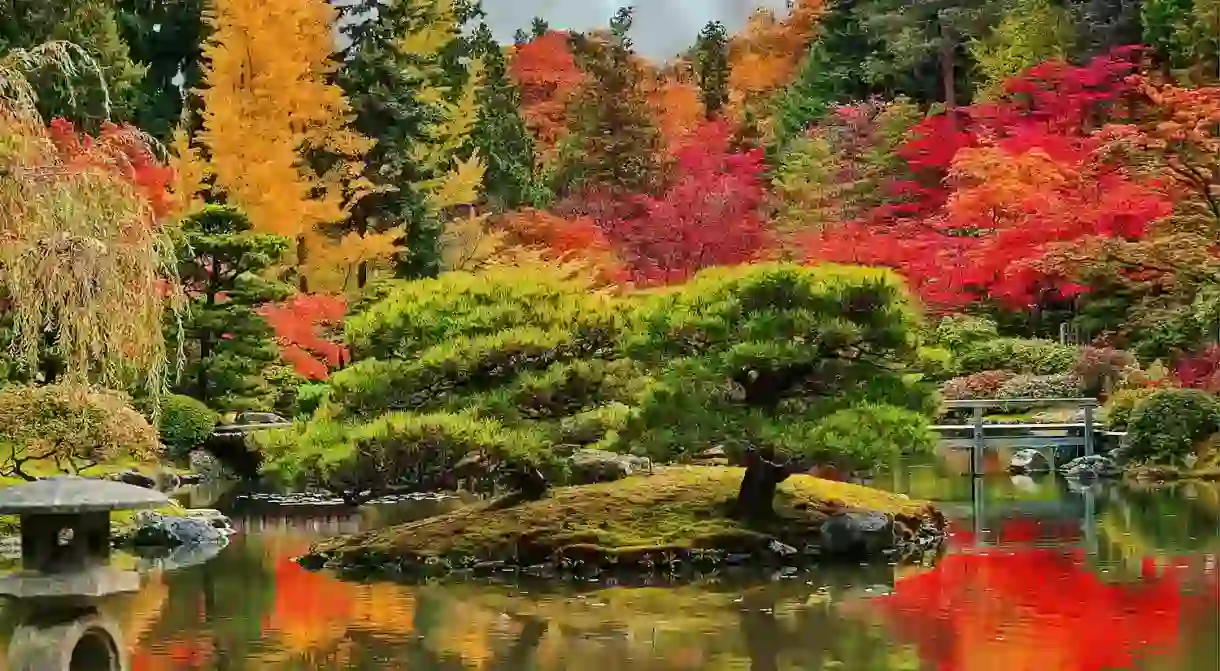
<point x="564" y="239"/>
<point x="764" y="56"/>
<point x="546" y="73"/>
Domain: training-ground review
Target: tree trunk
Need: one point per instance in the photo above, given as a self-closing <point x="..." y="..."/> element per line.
<point x="302" y="257"/>
<point x="948" y="48"/>
<point x="756" y="497"/>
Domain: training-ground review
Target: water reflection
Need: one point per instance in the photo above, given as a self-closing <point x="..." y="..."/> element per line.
<point x="1040" y="576"/>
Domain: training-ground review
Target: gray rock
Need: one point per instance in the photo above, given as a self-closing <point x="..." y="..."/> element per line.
<point x="864" y="534"/>
<point x="590" y="466"/>
<point x="154" y="529"/>
<point x="137" y="479"/>
<point x="1029" y="461"/>
<point x="1095" y="466"/>
<point x="782" y="549"/>
<point x="207" y="466"/>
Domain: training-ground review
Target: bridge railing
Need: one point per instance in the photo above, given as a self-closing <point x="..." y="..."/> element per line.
<point x="1089" y="405"/>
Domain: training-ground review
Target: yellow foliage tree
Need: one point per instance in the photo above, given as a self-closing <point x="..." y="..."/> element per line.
<point x="268" y="110"/>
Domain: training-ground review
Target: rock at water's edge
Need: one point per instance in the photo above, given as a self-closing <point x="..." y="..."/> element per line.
<point x="1029" y="461"/>
<point x="1095" y="466"/>
<point x="155" y="529"/>
<point x="857" y="533"/>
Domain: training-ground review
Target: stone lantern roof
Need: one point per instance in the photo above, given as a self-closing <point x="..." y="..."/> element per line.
<point x="69" y="495"/>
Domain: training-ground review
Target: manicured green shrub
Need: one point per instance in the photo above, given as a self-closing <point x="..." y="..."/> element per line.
<point x="1064" y="385"/>
<point x="1165" y="426"/>
<point x="1116" y="413"/>
<point x="1021" y="355"/>
<point x="868" y="435"/>
<point x="411" y="317"/>
<point x="758" y="355"/>
<point x="68" y="428"/>
<point x="754" y="356"/>
<point x="309" y="398"/>
<point x="958" y="332"/>
<point x="980" y="386"/>
<point x="400" y="451"/>
<point x="185" y="423"/>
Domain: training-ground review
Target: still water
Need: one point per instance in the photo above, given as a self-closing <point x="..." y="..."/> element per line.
<point x="1039" y="577"/>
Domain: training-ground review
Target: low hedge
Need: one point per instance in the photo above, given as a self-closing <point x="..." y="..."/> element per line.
<point x="1165" y="427"/>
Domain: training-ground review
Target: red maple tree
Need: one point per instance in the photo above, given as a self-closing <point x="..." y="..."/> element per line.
<point x="304" y="327"/>
<point x="124" y="150"/>
<point x="711" y="213"/>
<point x="995" y="187"/>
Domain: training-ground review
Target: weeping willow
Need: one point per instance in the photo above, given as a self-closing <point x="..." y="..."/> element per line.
<point x="87" y="270"/>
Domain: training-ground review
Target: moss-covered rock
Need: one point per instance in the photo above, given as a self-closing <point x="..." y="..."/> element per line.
<point x="675" y="518"/>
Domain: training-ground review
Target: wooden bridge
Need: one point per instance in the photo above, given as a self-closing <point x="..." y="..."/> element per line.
<point x="1047" y="438"/>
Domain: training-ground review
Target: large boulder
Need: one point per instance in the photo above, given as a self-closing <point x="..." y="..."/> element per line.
<point x="1029" y="461"/>
<point x="590" y="466"/>
<point x="857" y="534"/>
<point x="1095" y="466"/>
<point x="157" y="530"/>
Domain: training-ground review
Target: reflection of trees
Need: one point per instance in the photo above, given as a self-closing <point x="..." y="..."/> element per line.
<point x="1177" y="519"/>
<point x="1039" y="610"/>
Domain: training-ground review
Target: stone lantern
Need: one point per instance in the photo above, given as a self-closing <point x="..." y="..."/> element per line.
<point x="65" y="556"/>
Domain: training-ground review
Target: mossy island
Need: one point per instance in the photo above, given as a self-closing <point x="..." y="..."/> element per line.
<point x="675" y="521"/>
<point x="507" y="383"/>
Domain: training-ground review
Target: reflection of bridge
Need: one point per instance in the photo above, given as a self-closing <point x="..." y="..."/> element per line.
<point x="987" y="518"/>
<point x="322" y="524"/>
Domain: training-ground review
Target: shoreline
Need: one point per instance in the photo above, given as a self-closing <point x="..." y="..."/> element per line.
<point x="672" y="523"/>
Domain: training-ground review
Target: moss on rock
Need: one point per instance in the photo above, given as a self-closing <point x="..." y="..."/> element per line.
<point x="678" y="513"/>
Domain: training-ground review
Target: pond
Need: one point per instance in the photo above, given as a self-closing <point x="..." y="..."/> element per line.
<point x="1040" y="575"/>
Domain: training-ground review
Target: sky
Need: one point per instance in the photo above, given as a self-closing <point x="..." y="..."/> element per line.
<point x="662" y="28"/>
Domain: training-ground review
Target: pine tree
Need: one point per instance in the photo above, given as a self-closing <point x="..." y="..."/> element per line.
<point x="921" y="43"/>
<point x="166" y="37"/>
<point x="268" y="113"/>
<point x="1031" y="32"/>
<point x="614" y="142"/>
<point x="832" y="71"/>
<point x="712" y="67"/>
<point x="500" y="134"/>
<point x="227" y="344"/>
<point x="1162" y="21"/>
<point x="411" y="92"/>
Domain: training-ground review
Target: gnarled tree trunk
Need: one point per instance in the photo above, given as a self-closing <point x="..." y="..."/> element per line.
<point x="756" y="497"/>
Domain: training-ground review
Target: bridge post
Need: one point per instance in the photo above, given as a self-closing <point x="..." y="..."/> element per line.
<point x="976" y="454"/>
<point x="1088" y="430"/>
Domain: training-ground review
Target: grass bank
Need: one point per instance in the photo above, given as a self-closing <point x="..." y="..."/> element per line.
<point x="674" y="514"/>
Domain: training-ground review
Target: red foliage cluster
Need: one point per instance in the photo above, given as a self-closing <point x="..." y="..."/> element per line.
<point x="1035" y="609"/>
<point x="1200" y="370"/>
<point x="121" y="149"/>
<point x="546" y="73"/>
<point x="301" y="326"/>
<point x="997" y="186"/>
<point x="711" y="214"/>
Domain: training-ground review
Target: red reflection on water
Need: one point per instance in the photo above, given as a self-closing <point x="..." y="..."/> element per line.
<point x="1039" y="609"/>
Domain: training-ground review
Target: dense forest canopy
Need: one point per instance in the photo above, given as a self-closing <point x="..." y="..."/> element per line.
<point x="1050" y="165"/>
